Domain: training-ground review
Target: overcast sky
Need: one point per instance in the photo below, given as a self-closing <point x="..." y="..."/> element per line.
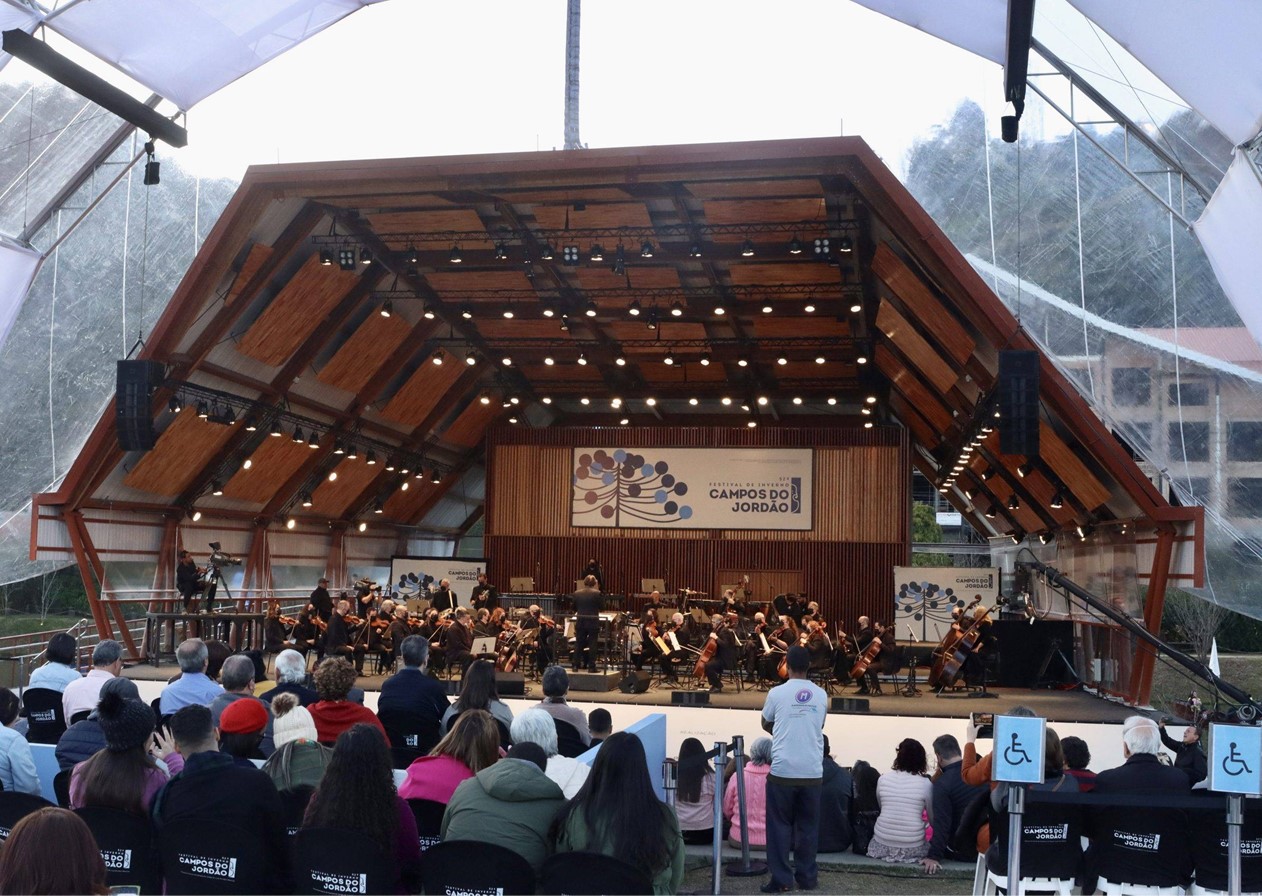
<point x="411" y="78"/>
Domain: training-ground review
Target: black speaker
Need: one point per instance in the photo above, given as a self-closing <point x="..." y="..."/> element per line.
<point x="850" y="704"/>
<point x="635" y="682"/>
<point x="510" y="684"/>
<point x="133" y="409"/>
<point x="690" y="698"/>
<point x="1019" y="403"/>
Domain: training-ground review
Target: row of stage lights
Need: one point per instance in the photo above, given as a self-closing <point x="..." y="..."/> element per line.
<point x="745" y="405"/>
<point x="620" y="359"/>
<point x="652" y="316"/>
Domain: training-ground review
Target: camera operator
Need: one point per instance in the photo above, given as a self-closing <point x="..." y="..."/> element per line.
<point x="188" y="581"/>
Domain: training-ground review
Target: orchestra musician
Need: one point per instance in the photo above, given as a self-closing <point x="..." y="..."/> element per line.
<point x="321" y="601"/>
<point x="485" y="596"/>
<point x="189" y="582"/>
<point x="398" y="630"/>
<point x="482" y="624"/>
<point x="646" y="650"/>
<point x="593" y="569"/>
<point x="654" y="602"/>
<point x="724" y="656"/>
<point x="305" y="637"/>
<point x="458" y="641"/>
<point x="543" y="641"/>
<point x="341" y="640"/>
<point x="443" y="597"/>
<point x="819" y="645"/>
<point x="273" y="630"/>
<point x="432" y="629"/>
<point x="867" y="632"/>
<point x="587" y="604"/>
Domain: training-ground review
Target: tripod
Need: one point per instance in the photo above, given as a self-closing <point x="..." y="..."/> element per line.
<point x="1053" y="650"/>
<point x="910" y="689"/>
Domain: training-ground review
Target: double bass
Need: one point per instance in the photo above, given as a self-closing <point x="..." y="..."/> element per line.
<point x="955" y="650"/>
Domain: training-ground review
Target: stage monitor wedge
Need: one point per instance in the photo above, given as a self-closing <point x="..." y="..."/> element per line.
<point x="133" y="411"/>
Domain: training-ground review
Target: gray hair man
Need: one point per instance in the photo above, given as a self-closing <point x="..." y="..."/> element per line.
<point x="556" y="685"/>
<point x="412" y="690"/>
<point x="1142" y="771"/>
<point x="193" y="687"/>
<point x="82" y="694"/>
<point x="291" y="678"/>
<point x="537" y="727"/>
<point x="237" y="678"/>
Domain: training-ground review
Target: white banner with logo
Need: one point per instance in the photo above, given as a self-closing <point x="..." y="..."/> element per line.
<point x="692" y="488"/>
<point x="417" y="576"/>
<point x="924" y="597"/>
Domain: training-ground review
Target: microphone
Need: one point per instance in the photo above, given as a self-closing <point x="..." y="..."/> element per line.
<point x="912" y="632"/>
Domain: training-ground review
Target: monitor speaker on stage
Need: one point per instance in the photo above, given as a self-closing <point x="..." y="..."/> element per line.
<point x="1019" y="403"/>
<point x="510" y="684"/>
<point x="133" y="394"/>
<point x="635" y="682"/>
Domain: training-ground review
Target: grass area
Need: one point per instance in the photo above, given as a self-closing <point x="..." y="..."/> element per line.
<point x="1171" y="682"/>
<point x="21" y="624"/>
<point x="851" y="879"/>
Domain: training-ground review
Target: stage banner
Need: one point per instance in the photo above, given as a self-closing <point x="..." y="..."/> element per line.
<point x="924" y="597"/>
<point x="417" y="576"/>
<point x="692" y="488"/>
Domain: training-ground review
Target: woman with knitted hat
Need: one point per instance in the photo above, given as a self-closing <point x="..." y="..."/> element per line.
<point x="124" y="774"/>
<point x="299" y="759"/>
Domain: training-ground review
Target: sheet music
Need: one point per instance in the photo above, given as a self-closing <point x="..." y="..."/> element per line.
<point x="674" y="642"/>
<point x="766" y="648"/>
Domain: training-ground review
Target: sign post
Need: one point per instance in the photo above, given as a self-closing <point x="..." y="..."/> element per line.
<point x="1018" y="760"/>
<point x="1234" y="769"/>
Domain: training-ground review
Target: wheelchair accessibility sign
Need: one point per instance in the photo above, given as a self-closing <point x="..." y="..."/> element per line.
<point x="1018" y="755"/>
<point x="1235" y="759"/>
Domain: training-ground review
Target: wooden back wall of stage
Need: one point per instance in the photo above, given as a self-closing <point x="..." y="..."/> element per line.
<point x="861" y="518"/>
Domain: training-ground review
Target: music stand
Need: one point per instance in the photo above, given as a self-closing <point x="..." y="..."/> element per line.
<point x="484" y="646"/>
<point x="521" y="585"/>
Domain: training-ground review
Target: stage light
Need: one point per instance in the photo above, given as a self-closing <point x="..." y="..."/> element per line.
<point x="856" y="308"/>
<point x="413" y="256"/>
<point x="762" y="401"/>
<point x="1017" y="537"/>
<point x="615" y="403"/>
<point x="371" y="458"/>
<point x="820" y="359"/>
<point x="865" y="411"/>
<point x="584" y="401"/>
<point x="512" y="420"/>
<point x="747" y="249"/>
<point x="332" y="477"/>
<point x="862" y="359"/>
<point x="427" y="312"/>
<point x="705" y="359"/>
<point x="694" y="251"/>
<point x="1045" y="537"/>
<point x="619" y="262"/>
<point x="346" y="258"/>
<point x="363" y="527"/>
<point x="797" y="399"/>
<point x="547" y="399"/>
<point x="251" y="422"/>
<point x="782" y="360"/>
<point x="549" y="312"/>
<point x="624" y="421"/>
<point x="387" y="308"/>
<point x="646" y="249"/>
<point x="305" y="499"/>
<point x="582" y="359"/>
<point x="766" y="307"/>
<point x="313" y="440"/>
<point x="719" y="310"/>
<point x="203" y="410"/>
<point x="669" y="360"/>
<point x="676" y="309"/>
<point x="620" y="360"/>
<point x="651" y="402"/>
<point x="197" y="515"/>
<point x="216" y="487"/>
<point x="275" y="430"/>
<point x="391" y="466"/>
<point x="352" y="453"/>
<point x="470" y="359"/>
<point x="297" y="437"/>
<point x="821" y="247"/>
<point x="455" y="256"/>
<point x="590" y="310"/>
<point x="795" y="246"/>
<point x="809" y="308"/>
<point x="378" y="507"/>
<point x="569" y="254"/>
<point x="501" y="252"/>
<point x="634" y="308"/>
<point x="693" y="402"/>
<point x="435" y="477"/>
<point x="506" y="361"/>
<point x="871" y="399"/>
<point x="752" y="424"/>
<point x="246" y="464"/>
<point x="1014" y="503"/>
<point x="508" y="313"/>
<point x="1058" y="501"/>
<point x="725" y="401"/>
<point x="437" y="359"/>
<point x="1024" y="470"/>
<point x="991" y="512"/>
<point x="419" y="474"/>
<point x="845" y="244"/>
<point x="549" y="360"/>
<point x="597" y="253"/>
<point x="514" y="399"/>
<point x="290" y="523"/>
<point x="365" y="256"/>
<point x="547" y="253"/>
<point x="485" y="399"/>
<point x="326" y="258"/>
<point x="832" y="401"/>
<point x="742" y="361"/>
<point x="466" y="311"/>
<point x="174" y="405"/>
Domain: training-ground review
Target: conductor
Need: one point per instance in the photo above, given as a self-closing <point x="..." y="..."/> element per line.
<point x="587" y="604"/>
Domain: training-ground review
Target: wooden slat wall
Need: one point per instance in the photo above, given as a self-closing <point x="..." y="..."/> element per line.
<point x="424" y="390"/>
<point x="185" y="446"/>
<point x="364" y="352"/>
<point x="861" y="489"/>
<point x="298" y="309"/>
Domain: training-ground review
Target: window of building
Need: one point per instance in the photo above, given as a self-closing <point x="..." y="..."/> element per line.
<point x="1194" y="490"/>
<point x="1141" y="433"/>
<point x="1244" y="497"/>
<point x="1192" y="395"/>
<point x="1244" y="440"/>
<point x="1131" y="386"/>
<point x="1194" y="441"/>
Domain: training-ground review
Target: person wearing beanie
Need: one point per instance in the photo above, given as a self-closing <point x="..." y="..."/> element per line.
<point x="124" y="775"/>
<point x="17" y="765"/>
<point x="85" y="738"/>
<point x="241" y="730"/>
<point x="62" y="666"/>
<point x="299" y="759"/>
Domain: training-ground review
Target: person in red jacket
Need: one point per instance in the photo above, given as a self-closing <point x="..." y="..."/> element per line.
<point x="333" y="713"/>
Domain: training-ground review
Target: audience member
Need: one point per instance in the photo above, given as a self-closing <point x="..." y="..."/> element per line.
<point x="333" y="713"/>
<point x="61" y="664"/>
<point x="124" y="775"/>
<point x="411" y="689"/>
<point x="794" y="714"/>
<point x="1054" y="780"/>
<point x="536" y="726"/>
<point x="510" y="803"/>
<point x="599" y="725"/>
<point x="1077" y="758"/>
<point x="291" y="678"/>
<point x="835" y="798"/>
<point x="951" y="800"/>
<point x="906" y="798"/>
<point x="1141" y="772"/>
<point x="1188" y="756"/>
<point x="194" y="687"/>
<point x="82" y="694"/>
<point x="976" y="771"/>
<point x="472" y="744"/>
<point x="299" y="760"/>
<point x="477" y="691"/>
<point x="85" y="737"/>
<point x="51" y="851"/>
<point x="757" y="769"/>
<point x="237" y="678"/>
<point x="263" y="686"/>
<point x="357" y="794"/>
<point x="866" y="807"/>
<point x="217" y="653"/>
<point x="17" y="766"/>
<point x="694" y="792"/>
<point x="617" y="813"/>
<point x="241" y="727"/>
<point x="213" y="790"/>
<point x="556" y="685"/>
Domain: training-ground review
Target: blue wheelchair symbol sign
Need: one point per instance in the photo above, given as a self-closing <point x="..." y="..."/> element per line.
<point x="1019" y="749"/>
<point x="1235" y="760"/>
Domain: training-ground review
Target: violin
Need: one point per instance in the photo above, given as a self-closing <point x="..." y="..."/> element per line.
<point x="783" y="669"/>
<point x="352" y="620"/>
<point x="319" y="623"/>
<point x="287" y="620"/>
<point x="381" y="623"/>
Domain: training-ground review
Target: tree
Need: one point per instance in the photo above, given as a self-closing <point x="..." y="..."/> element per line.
<point x="1194" y="620"/>
<point x="925" y="530"/>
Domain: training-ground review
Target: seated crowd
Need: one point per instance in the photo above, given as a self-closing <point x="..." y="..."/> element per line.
<point x="270" y="758"/>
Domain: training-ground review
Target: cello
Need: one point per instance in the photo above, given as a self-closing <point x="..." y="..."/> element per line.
<point x="869" y="654"/>
<point x="949" y="663"/>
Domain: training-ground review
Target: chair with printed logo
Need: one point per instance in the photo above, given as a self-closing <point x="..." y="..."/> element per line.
<point x="472" y="866"/>
<point x="1051" y="849"/>
<point x="45" y="717"/>
<point x="429" y="820"/>
<point x="1208" y="833"/>
<point x="1138" y="851"/>
<point x="336" y="861"/>
<point x="591" y="872"/>
<point x="14" y="806"/>
<point x="203" y="859"/>
<point x="127" y="846"/>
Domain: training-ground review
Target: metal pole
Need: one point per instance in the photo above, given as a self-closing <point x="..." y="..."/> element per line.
<point x="670" y="778"/>
<point x="1235" y="818"/>
<point x="743" y="868"/>
<point x="720" y="760"/>
<point x="1016" y="807"/>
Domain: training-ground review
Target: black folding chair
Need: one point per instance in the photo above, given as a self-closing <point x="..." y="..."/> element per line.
<point x="592" y="872"/>
<point x="45" y="718"/>
<point x="410" y="730"/>
<point x="569" y="741"/>
<point x="1147" y="847"/>
<point x="429" y="821"/>
<point x="61" y="787"/>
<point x="327" y="860"/>
<point x="79" y="716"/>
<point x="127" y="846"/>
<point x="294" y="803"/>
<point x="1208" y="833"/>
<point x="14" y="807"/>
<point x="205" y="858"/>
<point x="463" y="866"/>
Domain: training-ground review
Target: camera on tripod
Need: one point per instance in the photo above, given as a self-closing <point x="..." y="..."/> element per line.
<point x="218" y="559"/>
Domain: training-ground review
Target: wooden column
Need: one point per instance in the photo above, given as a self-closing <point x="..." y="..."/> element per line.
<point x="1154" y="605"/>
<point x="89" y="566"/>
<point x="335" y="565"/>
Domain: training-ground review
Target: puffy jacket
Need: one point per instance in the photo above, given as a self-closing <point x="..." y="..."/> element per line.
<point x="904" y="798"/>
<point x="81" y="741"/>
<point x="755" y="805"/>
<point x="434" y="778"/>
<point x="834" y="808"/>
<point x="512" y="803"/>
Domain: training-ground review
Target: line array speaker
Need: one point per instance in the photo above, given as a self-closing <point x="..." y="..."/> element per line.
<point x="1019" y="403"/>
<point x="133" y="392"/>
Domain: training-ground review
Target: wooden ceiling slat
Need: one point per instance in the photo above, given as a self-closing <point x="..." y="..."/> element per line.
<point x="568" y="371"/>
<point x="254" y="261"/>
<point x="646" y="275"/>
<point x="915" y="348"/>
<point x="636" y="337"/>
<point x="681" y="374"/>
<point x="501" y="328"/>
<point x="402" y="506"/>
<point x="298" y="309"/>
<point x="912" y="419"/>
<point x="1036" y="483"/>
<point x="464" y="220"/>
<point x="920" y="301"/>
<point x="1027" y="518"/>
<point x="778" y="326"/>
<point x="271" y="465"/>
<point x="364" y="352"/>
<point x="915" y="391"/>
<point x="424" y="390"/>
<point x="467" y="430"/>
<point x="765" y="211"/>
<point x="726" y="189"/>
<point x="1072" y="471"/>
<point x="597" y="215"/>
<point x="334" y="499"/>
<point x="185" y="446"/>
<point x="795" y="271"/>
<point x="470" y="279"/>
